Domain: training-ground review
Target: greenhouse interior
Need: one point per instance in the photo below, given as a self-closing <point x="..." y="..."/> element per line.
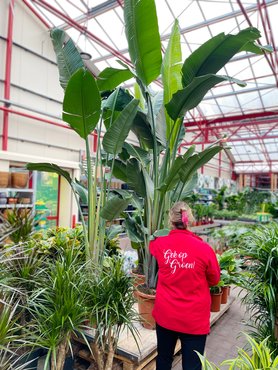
<point x="138" y="184"/>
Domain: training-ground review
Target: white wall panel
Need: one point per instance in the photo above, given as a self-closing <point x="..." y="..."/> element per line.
<point x="4" y="5"/>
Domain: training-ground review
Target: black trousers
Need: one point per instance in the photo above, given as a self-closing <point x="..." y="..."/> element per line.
<point x="166" y="342"/>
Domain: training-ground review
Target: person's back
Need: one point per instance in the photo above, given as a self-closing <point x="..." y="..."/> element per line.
<point x="187" y="267"/>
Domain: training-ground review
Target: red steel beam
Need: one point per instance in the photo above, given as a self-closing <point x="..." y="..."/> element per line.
<point x="233" y="118"/>
<point x="7" y="84"/>
<point x="259" y="42"/>
<point x="82" y="29"/>
<point x="37" y="118"/>
<point x="262" y="137"/>
<point x="239" y="125"/>
<point x="272" y="41"/>
<point x="47" y="25"/>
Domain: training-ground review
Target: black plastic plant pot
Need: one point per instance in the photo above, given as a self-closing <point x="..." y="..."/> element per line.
<point x="31" y="358"/>
<point x="69" y="363"/>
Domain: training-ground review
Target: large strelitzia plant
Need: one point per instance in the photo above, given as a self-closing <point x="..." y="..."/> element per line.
<point x="152" y="168"/>
<point x="82" y="111"/>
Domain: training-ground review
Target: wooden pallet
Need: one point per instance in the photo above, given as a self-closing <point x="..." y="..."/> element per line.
<point x="142" y="358"/>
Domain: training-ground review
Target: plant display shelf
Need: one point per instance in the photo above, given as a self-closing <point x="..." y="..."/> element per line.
<point x="144" y="359"/>
<point x="29" y="205"/>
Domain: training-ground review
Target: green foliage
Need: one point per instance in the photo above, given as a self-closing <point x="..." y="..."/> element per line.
<point x="143" y="39"/>
<point x="81" y="105"/>
<point x="68" y="57"/>
<point x="261" y="283"/>
<point x="110" y="292"/>
<point x="110" y="78"/>
<point x="10" y="338"/>
<point x="57" y="306"/>
<point x="259" y="356"/>
<point x="17" y="226"/>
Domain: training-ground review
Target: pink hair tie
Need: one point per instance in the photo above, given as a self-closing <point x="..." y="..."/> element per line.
<point x="184" y="217"/>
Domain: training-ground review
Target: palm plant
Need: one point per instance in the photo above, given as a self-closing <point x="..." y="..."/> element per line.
<point x="110" y="292"/>
<point x="57" y="307"/>
<point x="10" y="339"/>
<point x="261" y="284"/>
<point x="260" y="357"/>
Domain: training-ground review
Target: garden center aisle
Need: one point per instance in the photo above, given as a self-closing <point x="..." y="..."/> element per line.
<point x="225" y="336"/>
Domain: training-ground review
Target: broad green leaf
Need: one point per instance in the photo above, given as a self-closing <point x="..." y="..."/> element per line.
<point x="143" y="38"/>
<point x="49" y="167"/>
<point x="110" y="78"/>
<point x="197" y="161"/>
<point x="120" y="170"/>
<point x="114" y="207"/>
<point x="171" y="78"/>
<point x="67" y="55"/>
<point x="123" y="98"/>
<point x="160" y="127"/>
<point x="142" y="129"/>
<point x="113" y="231"/>
<point x="81" y="106"/>
<point x="188" y="98"/>
<point x="211" y="56"/>
<point x="135" y="151"/>
<point x="173" y="176"/>
<point x="135" y="178"/>
<point x="138" y="95"/>
<point x="256" y="48"/>
<point x="81" y="191"/>
<point x="148" y="184"/>
<point x="185" y="190"/>
<point x="115" y="136"/>
<point x="134" y="231"/>
<point x="161" y="232"/>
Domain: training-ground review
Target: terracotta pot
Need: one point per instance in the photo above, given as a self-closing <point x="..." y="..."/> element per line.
<point x="215" y="302"/>
<point x="137" y="278"/>
<point x="145" y="307"/>
<point x="19" y="179"/>
<point x="12" y="200"/>
<point x="4" y="179"/>
<point x="225" y="294"/>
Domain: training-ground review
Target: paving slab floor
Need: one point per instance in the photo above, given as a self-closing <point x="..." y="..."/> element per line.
<point x="226" y="334"/>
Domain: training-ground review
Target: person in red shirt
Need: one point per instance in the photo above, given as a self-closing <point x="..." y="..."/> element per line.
<point x="187" y="268"/>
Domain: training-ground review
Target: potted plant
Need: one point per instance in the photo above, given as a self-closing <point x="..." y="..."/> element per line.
<point x="110" y="309"/>
<point x="260" y="281"/>
<point x="259" y="356"/>
<point x="57" y="307"/>
<point x="216" y="295"/>
<point x="156" y="120"/>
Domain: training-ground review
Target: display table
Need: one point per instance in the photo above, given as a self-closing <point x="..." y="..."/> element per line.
<point x="143" y="358"/>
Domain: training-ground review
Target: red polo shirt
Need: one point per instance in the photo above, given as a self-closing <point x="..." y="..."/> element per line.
<point x="187" y="268"/>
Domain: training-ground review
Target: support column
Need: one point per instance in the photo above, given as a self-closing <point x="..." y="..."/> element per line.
<point x="7" y="85"/>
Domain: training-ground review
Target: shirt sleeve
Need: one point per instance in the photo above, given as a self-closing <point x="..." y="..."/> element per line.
<point x="213" y="269"/>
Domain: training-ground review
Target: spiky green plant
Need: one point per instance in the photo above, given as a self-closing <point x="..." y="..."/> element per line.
<point x="261" y="284"/>
<point x="110" y="292"/>
<point x="57" y="307"/>
<point x="258" y="357"/>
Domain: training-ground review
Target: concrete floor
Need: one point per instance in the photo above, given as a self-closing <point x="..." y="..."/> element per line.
<point x="226" y="334"/>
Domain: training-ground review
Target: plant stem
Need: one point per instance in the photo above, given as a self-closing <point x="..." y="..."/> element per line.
<point x="85" y="232"/>
<point x="91" y="204"/>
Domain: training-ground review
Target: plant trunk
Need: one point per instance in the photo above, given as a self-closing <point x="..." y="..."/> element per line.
<point x="61" y="355"/>
<point x="98" y="354"/>
<point x="110" y="356"/>
<point x="276" y="320"/>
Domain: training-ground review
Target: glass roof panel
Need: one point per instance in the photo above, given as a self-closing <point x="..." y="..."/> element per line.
<point x="199" y="19"/>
